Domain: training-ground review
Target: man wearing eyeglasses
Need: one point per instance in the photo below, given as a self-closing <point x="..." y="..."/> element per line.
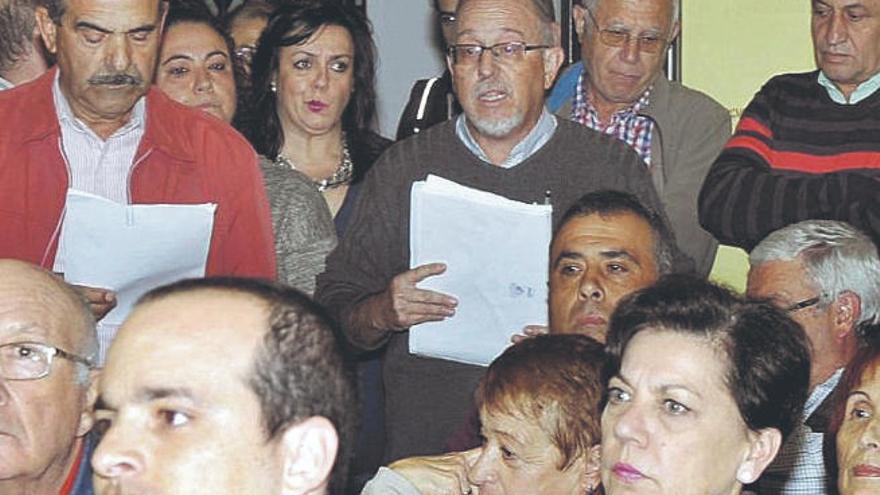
<point x="620" y="89"/>
<point x="824" y="273"/>
<point x="47" y="347"/>
<point x="506" y="54"/>
<point x="433" y="100"/>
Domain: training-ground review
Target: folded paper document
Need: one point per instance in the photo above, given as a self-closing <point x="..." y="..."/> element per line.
<point x="496" y="253"/>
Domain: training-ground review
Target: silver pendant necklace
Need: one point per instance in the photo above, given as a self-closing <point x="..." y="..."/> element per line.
<point x="341" y="176"/>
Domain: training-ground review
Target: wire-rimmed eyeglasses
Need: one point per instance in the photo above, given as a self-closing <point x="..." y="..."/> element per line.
<point x="648" y="43"/>
<point x="806" y="303"/>
<point x="506" y="52"/>
<point x="33" y="360"/>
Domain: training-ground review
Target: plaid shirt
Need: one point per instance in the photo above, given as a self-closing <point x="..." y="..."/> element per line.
<point x="626" y="125"/>
<point x="799" y="468"/>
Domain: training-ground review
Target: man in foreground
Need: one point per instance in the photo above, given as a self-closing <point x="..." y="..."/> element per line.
<point x="225" y="386"/>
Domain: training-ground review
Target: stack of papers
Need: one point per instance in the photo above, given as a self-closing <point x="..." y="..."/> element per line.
<point x="496" y="252"/>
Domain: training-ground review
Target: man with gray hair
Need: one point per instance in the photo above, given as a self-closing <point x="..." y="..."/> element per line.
<point x="22" y="56"/>
<point x="47" y="350"/>
<point x="824" y="273"/>
<point x="504" y="56"/>
<point x="620" y="89"/>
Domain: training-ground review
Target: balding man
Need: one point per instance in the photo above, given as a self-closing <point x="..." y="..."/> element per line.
<point x="225" y="386"/>
<point x="620" y="89"/>
<point x="505" y="55"/>
<point x="47" y="347"/>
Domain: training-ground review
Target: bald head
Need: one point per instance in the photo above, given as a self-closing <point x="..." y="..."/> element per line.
<point x="36" y="297"/>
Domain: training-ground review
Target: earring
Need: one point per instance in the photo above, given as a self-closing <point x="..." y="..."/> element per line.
<point x="273" y="87"/>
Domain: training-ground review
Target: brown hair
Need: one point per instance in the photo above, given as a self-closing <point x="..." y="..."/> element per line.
<point x="555" y="381"/>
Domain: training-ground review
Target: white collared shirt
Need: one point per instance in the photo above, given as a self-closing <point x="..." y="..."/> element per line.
<point x="97" y="166"/>
<point x="863" y="90"/>
<point x="534" y="140"/>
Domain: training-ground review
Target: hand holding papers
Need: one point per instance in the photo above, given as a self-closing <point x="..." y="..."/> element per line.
<point x="496" y="253"/>
<point x="131" y="249"/>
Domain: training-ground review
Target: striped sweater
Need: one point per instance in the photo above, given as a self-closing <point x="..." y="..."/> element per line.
<point x="795" y="155"/>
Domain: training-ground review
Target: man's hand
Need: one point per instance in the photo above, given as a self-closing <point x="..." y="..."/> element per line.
<point x="439" y="475"/>
<point x="403" y="305"/>
<point x="101" y="301"/>
<point x="528" y="332"/>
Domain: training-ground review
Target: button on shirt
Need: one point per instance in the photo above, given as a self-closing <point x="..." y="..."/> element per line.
<point x="94" y="165"/>
<point x="863" y="90"/>
<point x="534" y="141"/>
<point x="799" y="468"/>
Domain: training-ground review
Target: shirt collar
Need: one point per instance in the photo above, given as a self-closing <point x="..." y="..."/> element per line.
<point x="821" y="392"/>
<point x="534" y="140"/>
<point x="863" y="90"/>
<point x="621" y="115"/>
<point x="67" y="117"/>
<point x="4" y="84"/>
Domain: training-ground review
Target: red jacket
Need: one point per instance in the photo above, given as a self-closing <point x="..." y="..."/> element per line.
<point x="184" y="157"/>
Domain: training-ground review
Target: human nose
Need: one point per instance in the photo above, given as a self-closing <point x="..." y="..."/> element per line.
<point x="321" y="77"/>
<point x="486" y="63"/>
<point x="203" y="82"/>
<point x="628" y="423"/>
<point x="630" y="51"/>
<point x="119" y="52"/>
<point x="591" y="286"/>
<point x="836" y="30"/>
<point x="870" y="438"/>
<point x="483" y="471"/>
<point x="117" y="457"/>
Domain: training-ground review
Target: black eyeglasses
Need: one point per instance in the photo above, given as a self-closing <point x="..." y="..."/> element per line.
<point x="806" y="303"/>
<point x="505" y="53"/>
<point x="648" y="43"/>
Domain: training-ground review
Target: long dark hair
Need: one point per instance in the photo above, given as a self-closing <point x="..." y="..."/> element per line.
<point x="294" y="24"/>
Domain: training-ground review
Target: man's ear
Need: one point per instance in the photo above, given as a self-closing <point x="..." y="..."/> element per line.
<point x="580" y="19"/>
<point x="847" y="311"/>
<point x="553" y="58"/>
<point x="308" y="451"/>
<point x="87" y="415"/>
<point x="48" y="29"/>
<point x="764" y="444"/>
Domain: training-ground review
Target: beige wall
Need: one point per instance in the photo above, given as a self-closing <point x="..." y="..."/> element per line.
<point x="729" y="49"/>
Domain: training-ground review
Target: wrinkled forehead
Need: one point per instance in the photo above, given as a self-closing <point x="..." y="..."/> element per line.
<point x="35" y="309"/>
<point x="113" y="15"/>
<point x="642" y="14"/>
<point x="491" y="19"/>
<point x="614" y="230"/>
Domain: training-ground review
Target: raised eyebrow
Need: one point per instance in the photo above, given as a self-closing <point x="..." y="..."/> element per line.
<point x="861" y="393"/>
<point x="217" y="52"/>
<point x="668" y="388"/>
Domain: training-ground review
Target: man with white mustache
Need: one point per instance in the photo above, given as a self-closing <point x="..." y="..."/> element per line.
<point x="505" y="55"/>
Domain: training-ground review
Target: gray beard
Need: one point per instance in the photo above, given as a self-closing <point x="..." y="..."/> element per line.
<point x="498" y="128"/>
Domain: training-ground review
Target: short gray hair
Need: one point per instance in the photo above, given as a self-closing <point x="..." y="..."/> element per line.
<point x="593" y="4"/>
<point x="837" y="256"/>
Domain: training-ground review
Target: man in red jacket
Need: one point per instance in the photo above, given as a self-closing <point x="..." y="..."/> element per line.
<point x="93" y="124"/>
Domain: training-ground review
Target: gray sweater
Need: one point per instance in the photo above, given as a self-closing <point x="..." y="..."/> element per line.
<point x="426" y="399"/>
<point x="304" y="231"/>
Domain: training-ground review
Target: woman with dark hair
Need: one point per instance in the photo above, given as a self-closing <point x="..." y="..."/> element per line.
<point x="704" y="387"/>
<point x="196" y="68"/>
<point x="313" y="98"/>
<point x="856" y="423"/>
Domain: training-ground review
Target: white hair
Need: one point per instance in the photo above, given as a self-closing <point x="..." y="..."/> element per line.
<point x="837" y="256"/>
<point x="593" y="4"/>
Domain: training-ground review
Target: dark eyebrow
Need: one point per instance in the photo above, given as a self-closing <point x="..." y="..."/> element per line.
<point x="571" y="255"/>
<point x="619" y="253"/>
<point x="217" y="52"/>
<point x="859" y="392"/>
<point x="178" y="56"/>
<point x="101" y="405"/>
<point x="95" y="27"/>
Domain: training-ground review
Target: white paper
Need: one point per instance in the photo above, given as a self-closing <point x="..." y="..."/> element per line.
<point x="131" y="249"/>
<point x="496" y="252"/>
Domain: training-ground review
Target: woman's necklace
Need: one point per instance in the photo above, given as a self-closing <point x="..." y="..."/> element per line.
<point x="341" y="176"/>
